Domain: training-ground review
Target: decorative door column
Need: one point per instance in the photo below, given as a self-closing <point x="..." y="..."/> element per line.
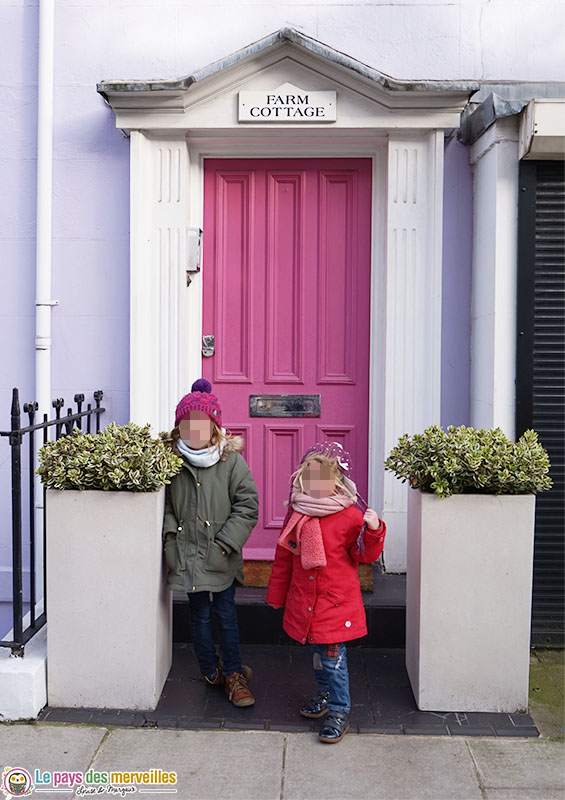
<point x="413" y="309"/>
<point x="159" y="231"/>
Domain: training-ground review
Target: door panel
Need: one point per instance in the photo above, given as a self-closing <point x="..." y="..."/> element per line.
<point x="285" y="237"/>
<point x="286" y="266"/>
<point x="232" y="287"/>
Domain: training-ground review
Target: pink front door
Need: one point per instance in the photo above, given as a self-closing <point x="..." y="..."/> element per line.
<point x="286" y="265"/>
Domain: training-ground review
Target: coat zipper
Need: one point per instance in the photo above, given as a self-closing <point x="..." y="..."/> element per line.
<point x="206" y="522"/>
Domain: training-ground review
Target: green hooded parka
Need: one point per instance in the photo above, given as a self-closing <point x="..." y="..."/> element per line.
<point x="209" y="515"/>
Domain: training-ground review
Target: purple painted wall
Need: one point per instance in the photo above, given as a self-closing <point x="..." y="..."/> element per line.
<point x="90" y="272"/>
<point x="18" y="100"/>
<point x="456" y="285"/>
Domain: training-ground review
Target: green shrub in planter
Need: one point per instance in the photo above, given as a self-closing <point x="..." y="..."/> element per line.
<point x="119" y="458"/>
<point x="470" y="460"/>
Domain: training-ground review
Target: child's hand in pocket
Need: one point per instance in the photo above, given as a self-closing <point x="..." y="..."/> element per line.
<point x="372" y="519"/>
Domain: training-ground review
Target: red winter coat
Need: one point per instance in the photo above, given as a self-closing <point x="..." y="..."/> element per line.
<point x="324" y="605"/>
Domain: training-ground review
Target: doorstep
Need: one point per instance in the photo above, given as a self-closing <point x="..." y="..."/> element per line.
<point x="385" y="608"/>
<point x="382" y="700"/>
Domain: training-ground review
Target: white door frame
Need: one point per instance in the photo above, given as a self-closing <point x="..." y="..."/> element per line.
<point x="167" y="182"/>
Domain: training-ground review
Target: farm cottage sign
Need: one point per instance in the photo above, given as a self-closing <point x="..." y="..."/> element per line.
<point x="287" y="103"/>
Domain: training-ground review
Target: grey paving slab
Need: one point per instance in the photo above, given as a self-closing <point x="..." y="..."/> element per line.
<point x="516" y="765"/>
<point x="210" y="765"/>
<point x="374" y="768"/>
<point x="49" y="748"/>
<point x="524" y="794"/>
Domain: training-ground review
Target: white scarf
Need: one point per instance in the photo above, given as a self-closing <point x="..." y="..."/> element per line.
<point x="206" y="457"/>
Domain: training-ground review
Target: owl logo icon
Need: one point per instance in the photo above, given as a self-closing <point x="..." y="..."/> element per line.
<point x="16" y="782"/>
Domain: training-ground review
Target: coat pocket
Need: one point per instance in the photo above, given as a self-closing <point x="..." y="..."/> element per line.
<point x="172" y="554"/>
<point x="217" y="558"/>
<point x="332" y="609"/>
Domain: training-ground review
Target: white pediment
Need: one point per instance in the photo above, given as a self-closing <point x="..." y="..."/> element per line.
<point x="355" y="106"/>
<point x="208" y="99"/>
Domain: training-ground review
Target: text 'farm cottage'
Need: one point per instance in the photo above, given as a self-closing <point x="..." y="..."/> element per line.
<point x="311" y="106"/>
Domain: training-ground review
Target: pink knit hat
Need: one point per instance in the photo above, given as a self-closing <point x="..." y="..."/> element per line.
<point x="199" y="399"/>
<point x="336" y="450"/>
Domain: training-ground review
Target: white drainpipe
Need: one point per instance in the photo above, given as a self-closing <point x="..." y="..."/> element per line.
<point x="43" y="301"/>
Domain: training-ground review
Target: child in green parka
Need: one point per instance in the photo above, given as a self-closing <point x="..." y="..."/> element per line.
<point x="211" y="507"/>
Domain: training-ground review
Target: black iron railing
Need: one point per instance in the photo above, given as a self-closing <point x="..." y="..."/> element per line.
<point x="63" y="425"/>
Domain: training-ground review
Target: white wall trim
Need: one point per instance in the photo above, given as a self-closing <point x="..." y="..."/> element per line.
<point x="377" y="351"/>
<point x="405" y="329"/>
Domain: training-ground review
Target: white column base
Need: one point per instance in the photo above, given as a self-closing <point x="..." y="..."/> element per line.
<point x="23" y="686"/>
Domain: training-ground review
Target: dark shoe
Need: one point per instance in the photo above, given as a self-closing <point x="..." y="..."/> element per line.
<point x="335" y="727"/>
<point x="217" y="678"/>
<point x="237" y="690"/>
<point x="316" y="707"/>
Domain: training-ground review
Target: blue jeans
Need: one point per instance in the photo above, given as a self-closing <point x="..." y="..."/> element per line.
<point x="330" y="670"/>
<point x="223" y="605"/>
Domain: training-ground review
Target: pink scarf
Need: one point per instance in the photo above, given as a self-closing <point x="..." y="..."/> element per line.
<point x="302" y="534"/>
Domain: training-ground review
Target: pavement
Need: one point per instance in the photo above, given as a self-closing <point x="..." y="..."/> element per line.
<point x="267" y="765"/>
<point x="224" y="764"/>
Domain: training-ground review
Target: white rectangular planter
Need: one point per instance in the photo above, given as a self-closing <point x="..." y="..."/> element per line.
<point x="109" y="611"/>
<point x="468" y="601"/>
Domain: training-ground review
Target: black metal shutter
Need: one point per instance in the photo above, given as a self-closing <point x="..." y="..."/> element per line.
<point x="541" y="376"/>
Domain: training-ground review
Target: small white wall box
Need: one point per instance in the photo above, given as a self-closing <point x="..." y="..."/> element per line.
<point x="193" y="249"/>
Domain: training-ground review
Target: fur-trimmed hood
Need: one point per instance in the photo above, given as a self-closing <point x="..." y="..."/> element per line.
<point x="234" y="444"/>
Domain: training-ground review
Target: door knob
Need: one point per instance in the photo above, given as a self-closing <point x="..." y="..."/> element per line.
<point x="208" y="345"/>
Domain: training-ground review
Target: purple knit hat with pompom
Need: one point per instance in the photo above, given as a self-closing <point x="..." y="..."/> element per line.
<point x="199" y="399"/>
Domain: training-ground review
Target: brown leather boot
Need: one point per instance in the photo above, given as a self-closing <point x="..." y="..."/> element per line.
<point x="237" y="690"/>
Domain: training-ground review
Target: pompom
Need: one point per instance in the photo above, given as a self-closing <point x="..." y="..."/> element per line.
<point x="201" y="385"/>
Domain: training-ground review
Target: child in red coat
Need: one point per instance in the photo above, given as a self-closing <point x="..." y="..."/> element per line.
<point x="314" y="575"/>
